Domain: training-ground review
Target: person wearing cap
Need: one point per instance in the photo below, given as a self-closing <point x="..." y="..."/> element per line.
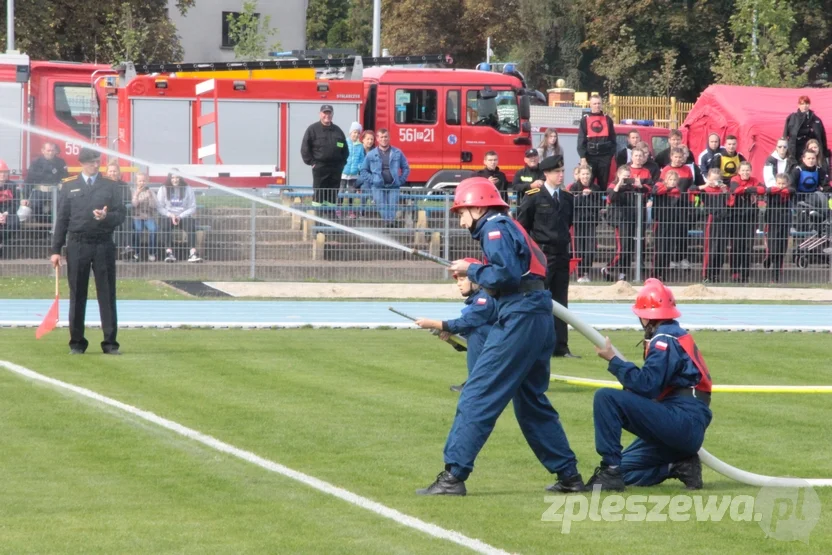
<point x="665" y="403"/>
<point x="326" y="149"/>
<point x="546" y="214"/>
<point x="474" y="324"/>
<point x="90" y="208"/>
<point x="514" y="363"/>
<point x="530" y="176"/>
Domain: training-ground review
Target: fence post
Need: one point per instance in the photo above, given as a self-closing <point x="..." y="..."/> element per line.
<point x="446" y="251"/>
<point x="639" y="236"/>
<point x="674" y="118"/>
<point x="252" y="273"/>
<point x="614" y="108"/>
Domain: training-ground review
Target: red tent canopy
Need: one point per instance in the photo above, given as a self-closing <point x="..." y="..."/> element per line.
<point x="755" y="115"/>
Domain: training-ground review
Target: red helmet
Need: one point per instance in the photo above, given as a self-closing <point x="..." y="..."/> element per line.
<point x="4" y="167"/>
<point x="477" y="192"/>
<point x="455" y="275"/>
<point x="655" y="301"/>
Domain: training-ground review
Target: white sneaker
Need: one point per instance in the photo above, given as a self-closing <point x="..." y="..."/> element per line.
<point x="169" y="256"/>
<point x="584" y="279"/>
<point x="674" y="265"/>
<point x="151" y="258"/>
<point x="684" y="264"/>
<point x="194" y="257"/>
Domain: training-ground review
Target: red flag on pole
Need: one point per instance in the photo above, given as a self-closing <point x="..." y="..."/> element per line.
<point x="51" y="319"/>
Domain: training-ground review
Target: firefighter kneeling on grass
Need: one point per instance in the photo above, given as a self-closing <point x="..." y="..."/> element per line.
<point x="514" y="362"/>
<point x="665" y="403"/>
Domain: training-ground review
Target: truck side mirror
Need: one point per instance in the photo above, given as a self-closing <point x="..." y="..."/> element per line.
<point x="526" y="127"/>
<point x="525" y="107"/>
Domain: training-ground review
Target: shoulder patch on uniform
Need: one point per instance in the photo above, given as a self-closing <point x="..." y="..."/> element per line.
<point x="65" y="179"/>
<point x="496" y="234"/>
<point x="661" y="345"/>
<point x="482" y="300"/>
<point x="533" y="191"/>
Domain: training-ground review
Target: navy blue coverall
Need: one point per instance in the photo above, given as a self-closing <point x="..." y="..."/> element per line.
<point x="669" y="430"/>
<point x="514" y="362"/>
<point x="474" y="324"/>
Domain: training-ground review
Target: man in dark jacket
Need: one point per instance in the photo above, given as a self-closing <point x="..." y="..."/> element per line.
<point x="326" y="149"/>
<point x="546" y="214"/>
<point x="492" y="172"/>
<point x="530" y="177"/>
<point x="596" y="141"/>
<point x="48" y="169"/>
<point x="801" y="127"/>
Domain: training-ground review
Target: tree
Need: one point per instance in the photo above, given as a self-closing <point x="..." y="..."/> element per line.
<point x="250" y="33"/>
<point x="84" y="30"/>
<point x="321" y="16"/>
<point x="360" y="24"/>
<point x="138" y="40"/>
<point x="759" y="50"/>
<point x="619" y="61"/>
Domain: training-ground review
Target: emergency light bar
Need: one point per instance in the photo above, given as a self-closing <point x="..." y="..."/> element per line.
<point x="144" y="69"/>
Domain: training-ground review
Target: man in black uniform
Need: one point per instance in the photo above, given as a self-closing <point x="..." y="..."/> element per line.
<point x="90" y="207"/>
<point x="326" y="149"/>
<point x="530" y="176"/>
<point x="546" y="214"/>
<point x="596" y="142"/>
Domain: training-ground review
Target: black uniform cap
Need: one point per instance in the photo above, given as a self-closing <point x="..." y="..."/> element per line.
<point x="551" y="163"/>
<point x="88" y="155"/>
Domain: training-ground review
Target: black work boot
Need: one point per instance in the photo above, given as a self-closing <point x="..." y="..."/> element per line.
<point x="445" y="484"/>
<point x="573" y="484"/>
<point x="608" y="478"/>
<point x="688" y="471"/>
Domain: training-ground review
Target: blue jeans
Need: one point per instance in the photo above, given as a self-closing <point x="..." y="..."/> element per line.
<point x="387" y="201"/>
<point x="150" y="226"/>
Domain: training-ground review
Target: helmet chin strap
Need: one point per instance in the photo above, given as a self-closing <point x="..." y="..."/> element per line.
<point x="649" y="331"/>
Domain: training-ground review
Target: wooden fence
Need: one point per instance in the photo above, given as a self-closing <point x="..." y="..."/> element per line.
<point x="661" y="110"/>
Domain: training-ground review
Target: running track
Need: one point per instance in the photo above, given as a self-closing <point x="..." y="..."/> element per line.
<point x="368" y="314"/>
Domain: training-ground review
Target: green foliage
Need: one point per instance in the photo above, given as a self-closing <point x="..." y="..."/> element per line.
<point x="251" y="32"/>
<point x="321" y="16"/>
<point x="136" y="39"/>
<point x="760" y="50"/>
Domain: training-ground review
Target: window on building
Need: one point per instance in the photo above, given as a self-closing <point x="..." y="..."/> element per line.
<point x="74" y="106"/>
<point x="416" y="106"/>
<point x="227" y="42"/>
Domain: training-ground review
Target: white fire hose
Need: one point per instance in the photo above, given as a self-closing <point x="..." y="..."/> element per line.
<point x="709" y="460"/>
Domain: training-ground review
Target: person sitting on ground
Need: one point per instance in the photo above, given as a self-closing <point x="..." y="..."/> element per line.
<point x="665" y="403"/>
<point x="177" y="205"/>
<point x="474" y="324"/>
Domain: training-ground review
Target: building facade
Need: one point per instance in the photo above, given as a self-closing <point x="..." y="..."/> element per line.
<point x="203" y="30"/>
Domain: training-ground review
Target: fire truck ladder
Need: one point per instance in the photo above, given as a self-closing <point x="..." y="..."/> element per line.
<point x="210" y="118"/>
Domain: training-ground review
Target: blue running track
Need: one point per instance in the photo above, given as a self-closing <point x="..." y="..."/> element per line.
<point x="14" y="312"/>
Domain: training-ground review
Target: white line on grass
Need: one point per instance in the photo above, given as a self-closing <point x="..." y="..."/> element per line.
<point x="368" y="504"/>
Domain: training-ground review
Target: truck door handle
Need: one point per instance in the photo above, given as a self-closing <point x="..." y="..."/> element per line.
<point x="467" y="156"/>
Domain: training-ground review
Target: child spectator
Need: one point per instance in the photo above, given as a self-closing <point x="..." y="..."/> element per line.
<point x="779" y="162"/>
<point x="177" y="205"/>
<point x="9" y="221"/>
<point x="549" y="145"/>
<point x="351" y="171"/>
<point x="707" y="155"/>
<point x="812" y="145"/>
<point x="492" y="172"/>
<point x="625" y="155"/>
<point x="622" y="214"/>
<point x="807" y="177"/>
<point x="745" y="191"/>
<point x="144" y="217"/>
<point x="683" y="215"/>
<point x="474" y="324"/>
<point x="668" y="227"/>
<point x="779" y="217"/>
<point x="588" y="201"/>
<point x="728" y="160"/>
<point x="714" y="197"/>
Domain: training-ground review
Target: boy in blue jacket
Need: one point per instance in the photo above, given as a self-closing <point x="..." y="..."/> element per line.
<point x="665" y="403"/>
<point x="474" y="324"/>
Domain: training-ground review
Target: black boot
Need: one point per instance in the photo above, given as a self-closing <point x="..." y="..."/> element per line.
<point x="688" y="471"/>
<point x="573" y="484"/>
<point x="459" y="387"/>
<point x="608" y="478"/>
<point x="445" y="484"/>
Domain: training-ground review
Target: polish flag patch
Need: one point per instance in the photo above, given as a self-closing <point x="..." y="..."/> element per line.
<point x="494" y="234"/>
<point x="481" y="301"/>
<point x="661" y="345"/>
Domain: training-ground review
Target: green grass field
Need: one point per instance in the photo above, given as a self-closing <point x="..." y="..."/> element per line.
<point x="368" y="411"/>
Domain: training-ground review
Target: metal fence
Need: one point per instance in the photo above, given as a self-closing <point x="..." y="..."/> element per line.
<point x="682" y="240"/>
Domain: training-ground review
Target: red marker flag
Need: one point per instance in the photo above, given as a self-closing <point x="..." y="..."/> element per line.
<point x="51" y="319"/>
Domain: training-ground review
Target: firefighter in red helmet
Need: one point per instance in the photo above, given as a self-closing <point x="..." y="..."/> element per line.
<point x="514" y="362"/>
<point x="665" y="403"/>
